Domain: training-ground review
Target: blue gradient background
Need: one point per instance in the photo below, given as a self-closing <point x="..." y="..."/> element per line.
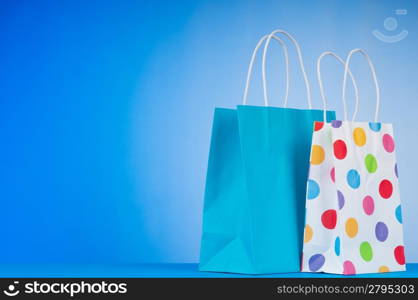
<point x="106" y="111"/>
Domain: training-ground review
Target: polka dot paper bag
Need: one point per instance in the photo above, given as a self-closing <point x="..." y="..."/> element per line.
<point x="353" y="210"/>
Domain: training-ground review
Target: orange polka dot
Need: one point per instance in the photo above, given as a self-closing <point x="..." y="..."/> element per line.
<point x="317" y="155"/>
<point x="308" y="233"/>
<point x="359" y="136"/>
<point x="383" y="269"/>
<point x="351" y="227"/>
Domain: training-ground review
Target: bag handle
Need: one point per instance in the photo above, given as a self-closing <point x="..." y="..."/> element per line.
<point x="321" y="86"/>
<point x="250" y="68"/>
<point x="373" y="70"/>
<point x="301" y="63"/>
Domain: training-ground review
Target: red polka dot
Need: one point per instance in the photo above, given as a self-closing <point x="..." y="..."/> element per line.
<point x="340" y="149"/>
<point x="400" y="255"/>
<point x="318" y="125"/>
<point x="385" y="189"/>
<point x="329" y="218"/>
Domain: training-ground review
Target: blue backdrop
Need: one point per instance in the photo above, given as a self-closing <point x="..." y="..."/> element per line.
<point x="106" y="111"/>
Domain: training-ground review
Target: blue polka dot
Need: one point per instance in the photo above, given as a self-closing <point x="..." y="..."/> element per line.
<point x="353" y="179"/>
<point x="316" y="262"/>
<point x="341" y="200"/>
<point x="313" y="189"/>
<point x="375" y="126"/>
<point x="398" y="214"/>
<point x="381" y="231"/>
<point x="337" y="246"/>
<point x="336" y="123"/>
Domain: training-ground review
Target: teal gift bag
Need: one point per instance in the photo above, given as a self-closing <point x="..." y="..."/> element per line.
<point x="253" y="214"/>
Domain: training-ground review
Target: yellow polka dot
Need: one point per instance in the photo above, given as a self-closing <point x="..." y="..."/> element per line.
<point x="359" y="136"/>
<point x="351" y="227"/>
<point x="383" y="269"/>
<point x="317" y="155"/>
<point x="308" y="233"/>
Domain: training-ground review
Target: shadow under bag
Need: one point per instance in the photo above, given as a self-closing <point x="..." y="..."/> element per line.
<point x="253" y="215"/>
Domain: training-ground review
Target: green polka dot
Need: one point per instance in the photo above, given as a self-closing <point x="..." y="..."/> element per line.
<point x="371" y="163"/>
<point x="366" y="251"/>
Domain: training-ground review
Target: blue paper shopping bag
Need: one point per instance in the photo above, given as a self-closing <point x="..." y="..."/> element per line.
<point x="253" y="215"/>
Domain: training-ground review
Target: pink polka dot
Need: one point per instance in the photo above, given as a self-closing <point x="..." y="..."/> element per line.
<point x="388" y="143"/>
<point x="368" y="205"/>
<point x="301" y="262"/>
<point x="349" y="268"/>
<point x="333" y="174"/>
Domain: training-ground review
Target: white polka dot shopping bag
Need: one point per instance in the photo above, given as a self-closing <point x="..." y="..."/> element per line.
<point x="353" y="210"/>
